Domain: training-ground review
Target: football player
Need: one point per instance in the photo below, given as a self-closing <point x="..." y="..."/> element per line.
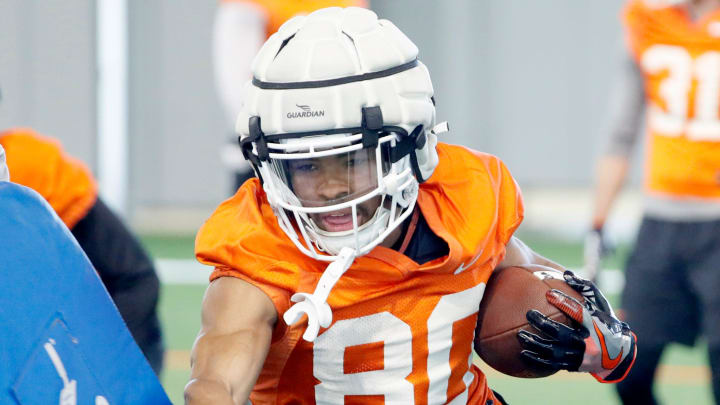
<point x="351" y="270"/>
<point x="39" y="162"/>
<point x="240" y="29"/>
<point x="673" y="74"/>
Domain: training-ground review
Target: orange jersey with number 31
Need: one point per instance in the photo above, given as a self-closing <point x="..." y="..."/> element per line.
<point x="680" y="60"/>
<point x="401" y="332"/>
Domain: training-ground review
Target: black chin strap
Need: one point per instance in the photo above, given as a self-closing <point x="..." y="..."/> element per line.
<point x="246" y="146"/>
<point x="372" y="129"/>
<point x="407" y="146"/>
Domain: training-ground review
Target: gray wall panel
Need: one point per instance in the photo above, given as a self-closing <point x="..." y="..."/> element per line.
<point x="47" y="70"/>
<point x="525" y="80"/>
<point x="175" y="120"/>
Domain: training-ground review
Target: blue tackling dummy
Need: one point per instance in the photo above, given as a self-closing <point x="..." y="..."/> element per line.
<point x="63" y="340"/>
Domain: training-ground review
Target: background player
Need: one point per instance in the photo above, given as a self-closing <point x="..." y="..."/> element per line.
<point x="673" y="73"/>
<point x="340" y="125"/>
<point x="241" y="27"/>
<point x="40" y="163"/>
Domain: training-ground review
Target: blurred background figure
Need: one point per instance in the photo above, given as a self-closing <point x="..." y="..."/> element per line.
<point x="241" y="27"/>
<point x="68" y="186"/>
<point x="672" y="291"/>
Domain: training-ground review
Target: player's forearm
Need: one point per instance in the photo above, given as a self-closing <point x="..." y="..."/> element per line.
<point x="609" y="178"/>
<point x="204" y="391"/>
<point x="226" y="367"/>
<point x="625" y="122"/>
<point x="212" y="389"/>
<point x="517" y="253"/>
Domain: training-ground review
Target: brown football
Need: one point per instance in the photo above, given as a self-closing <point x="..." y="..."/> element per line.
<point x="509" y="295"/>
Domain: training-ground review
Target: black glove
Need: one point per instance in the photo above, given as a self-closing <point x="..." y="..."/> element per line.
<point x="599" y="343"/>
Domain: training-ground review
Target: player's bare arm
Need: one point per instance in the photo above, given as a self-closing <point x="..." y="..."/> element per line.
<point x="229" y="352"/>
<point x="626" y="118"/>
<point x="610" y="175"/>
<point x="517" y="253"/>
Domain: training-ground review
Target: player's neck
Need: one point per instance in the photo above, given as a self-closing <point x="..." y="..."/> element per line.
<point x="397" y="237"/>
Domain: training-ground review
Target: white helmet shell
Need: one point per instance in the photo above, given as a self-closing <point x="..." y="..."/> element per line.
<point x="337" y="71"/>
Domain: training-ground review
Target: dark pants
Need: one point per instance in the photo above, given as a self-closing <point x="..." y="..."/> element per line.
<point x="672" y="294"/>
<point x="128" y="275"/>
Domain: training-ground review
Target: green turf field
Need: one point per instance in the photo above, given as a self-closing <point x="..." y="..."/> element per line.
<point x="684" y="379"/>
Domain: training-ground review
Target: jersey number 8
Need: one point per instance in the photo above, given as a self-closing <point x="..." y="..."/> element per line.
<point x="397" y="339"/>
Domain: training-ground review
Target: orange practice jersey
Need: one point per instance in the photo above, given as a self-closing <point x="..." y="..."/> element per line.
<point x="40" y="163"/>
<point x="279" y="11"/>
<point x="401" y="332"/>
<point x="680" y="61"/>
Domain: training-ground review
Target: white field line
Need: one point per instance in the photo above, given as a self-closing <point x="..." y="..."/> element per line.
<point x="186" y="271"/>
<point x="182" y="271"/>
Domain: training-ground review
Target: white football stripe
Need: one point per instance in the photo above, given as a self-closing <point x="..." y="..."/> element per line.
<point x="182" y="271"/>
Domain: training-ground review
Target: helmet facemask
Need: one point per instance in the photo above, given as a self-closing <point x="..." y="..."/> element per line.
<point x="341" y="188"/>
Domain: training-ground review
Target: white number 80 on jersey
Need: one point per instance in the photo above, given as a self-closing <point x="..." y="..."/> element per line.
<point x="396" y="335"/>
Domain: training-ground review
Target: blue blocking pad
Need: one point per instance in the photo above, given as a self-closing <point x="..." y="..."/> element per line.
<point x="58" y="362"/>
<point x="62" y="341"/>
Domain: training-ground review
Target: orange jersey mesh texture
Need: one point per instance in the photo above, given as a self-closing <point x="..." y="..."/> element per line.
<point x="400" y="330"/>
<point x="40" y="163"/>
<point x="680" y="61"/>
<point x="279" y="11"/>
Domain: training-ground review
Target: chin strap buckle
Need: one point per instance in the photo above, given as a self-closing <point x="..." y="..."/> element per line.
<point x="314" y="305"/>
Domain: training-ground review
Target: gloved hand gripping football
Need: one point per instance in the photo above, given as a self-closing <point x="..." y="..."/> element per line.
<point x="600" y="344"/>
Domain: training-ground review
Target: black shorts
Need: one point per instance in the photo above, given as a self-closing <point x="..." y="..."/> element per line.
<point x="127" y="273"/>
<point x="672" y="290"/>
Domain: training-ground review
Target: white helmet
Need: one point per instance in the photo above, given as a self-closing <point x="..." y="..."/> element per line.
<point x="339" y="116"/>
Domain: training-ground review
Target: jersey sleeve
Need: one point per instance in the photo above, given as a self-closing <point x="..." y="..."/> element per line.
<point x="633" y="18"/>
<point x="626" y="110"/>
<point x="280" y="297"/>
<point x="510" y="205"/>
<point x="242" y="239"/>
